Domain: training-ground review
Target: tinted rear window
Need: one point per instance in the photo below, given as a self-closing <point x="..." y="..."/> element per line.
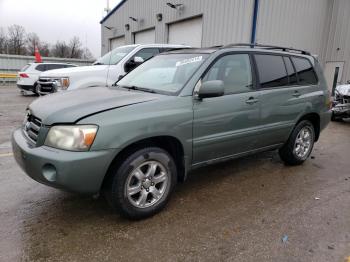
<point x="272" y="71"/>
<point x="41" y="67"/>
<point x="305" y="71"/>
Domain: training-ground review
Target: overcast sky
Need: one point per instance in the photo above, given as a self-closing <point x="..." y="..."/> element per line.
<point x="56" y="20"/>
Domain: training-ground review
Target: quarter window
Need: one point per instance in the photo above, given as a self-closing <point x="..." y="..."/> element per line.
<point x="272" y="71"/>
<point x="291" y="72"/>
<point x="235" y="72"/>
<point x="305" y="71"/>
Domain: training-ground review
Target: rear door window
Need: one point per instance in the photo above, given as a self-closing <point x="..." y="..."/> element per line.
<point x="272" y="71"/>
<point x="54" y="66"/>
<point x="41" y="67"/>
<point x="305" y="71"/>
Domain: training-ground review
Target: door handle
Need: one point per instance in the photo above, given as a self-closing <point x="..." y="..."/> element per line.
<point x="296" y="94"/>
<point x="251" y="101"/>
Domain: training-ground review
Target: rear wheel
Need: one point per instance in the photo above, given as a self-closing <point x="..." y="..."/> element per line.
<point x="299" y="145"/>
<point x="143" y="183"/>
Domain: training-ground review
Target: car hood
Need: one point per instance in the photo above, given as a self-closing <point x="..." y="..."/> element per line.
<point x="343" y="90"/>
<point x="64" y="72"/>
<point x="71" y="106"/>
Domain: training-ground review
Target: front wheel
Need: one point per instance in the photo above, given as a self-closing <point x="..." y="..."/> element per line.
<point x="299" y="145"/>
<point x="143" y="183"/>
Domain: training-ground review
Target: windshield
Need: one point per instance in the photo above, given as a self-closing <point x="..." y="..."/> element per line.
<point x="164" y="73"/>
<point x="113" y="57"/>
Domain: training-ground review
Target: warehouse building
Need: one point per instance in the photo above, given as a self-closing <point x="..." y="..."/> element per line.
<point x="320" y="26"/>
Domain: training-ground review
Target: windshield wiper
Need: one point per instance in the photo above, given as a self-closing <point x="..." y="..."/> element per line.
<point x="98" y="63"/>
<point x="138" y="88"/>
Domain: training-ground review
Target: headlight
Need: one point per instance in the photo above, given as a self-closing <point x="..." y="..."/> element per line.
<point x="72" y="138"/>
<point x="62" y="83"/>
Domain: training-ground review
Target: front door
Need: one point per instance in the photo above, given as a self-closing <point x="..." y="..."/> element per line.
<point x="226" y="125"/>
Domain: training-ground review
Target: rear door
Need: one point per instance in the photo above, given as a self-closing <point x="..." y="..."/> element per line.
<point x="282" y="97"/>
<point x="225" y="126"/>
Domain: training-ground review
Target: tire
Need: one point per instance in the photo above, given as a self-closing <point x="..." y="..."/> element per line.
<point x="134" y="194"/>
<point x="336" y="118"/>
<point x="290" y="153"/>
<point x="333" y="117"/>
<point x="36" y="90"/>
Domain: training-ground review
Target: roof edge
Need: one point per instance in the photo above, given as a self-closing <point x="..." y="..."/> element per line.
<point x="112" y="11"/>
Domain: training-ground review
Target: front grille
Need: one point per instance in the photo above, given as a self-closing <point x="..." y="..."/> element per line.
<point x="32" y="127"/>
<point x="346" y="99"/>
<point x="47" y="85"/>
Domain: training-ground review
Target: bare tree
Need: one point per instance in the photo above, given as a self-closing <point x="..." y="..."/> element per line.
<point x="60" y="49"/>
<point x="16" y="39"/>
<point x="33" y="41"/>
<point x="75" y="48"/>
<point x="87" y="54"/>
<point x="45" y="49"/>
<point x="3" y="41"/>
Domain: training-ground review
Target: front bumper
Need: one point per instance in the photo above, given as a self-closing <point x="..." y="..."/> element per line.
<point x="341" y="109"/>
<point x="81" y="172"/>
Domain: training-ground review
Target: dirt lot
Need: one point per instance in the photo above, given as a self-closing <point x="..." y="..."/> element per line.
<point x="236" y="211"/>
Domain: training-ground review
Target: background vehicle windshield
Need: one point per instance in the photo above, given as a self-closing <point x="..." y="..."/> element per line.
<point x="164" y="73"/>
<point x="113" y="57"/>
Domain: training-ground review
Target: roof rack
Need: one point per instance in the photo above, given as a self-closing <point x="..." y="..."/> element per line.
<point x="269" y="47"/>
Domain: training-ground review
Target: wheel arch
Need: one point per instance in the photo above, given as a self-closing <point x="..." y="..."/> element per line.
<point x="315" y="119"/>
<point x="170" y="144"/>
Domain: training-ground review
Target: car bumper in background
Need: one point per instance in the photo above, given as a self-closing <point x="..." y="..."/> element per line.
<point x="81" y="172"/>
<point x="341" y="109"/>
<point x="26" y="87"/>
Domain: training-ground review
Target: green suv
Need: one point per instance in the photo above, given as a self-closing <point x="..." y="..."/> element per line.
<point x="178" y="111"/>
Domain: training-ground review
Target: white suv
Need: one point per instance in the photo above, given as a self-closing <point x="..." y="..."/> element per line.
<point x="105" y="71"/>
<point x="29" y="75"/>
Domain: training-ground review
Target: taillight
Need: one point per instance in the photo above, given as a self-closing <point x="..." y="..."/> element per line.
<point x="23" y="75"/>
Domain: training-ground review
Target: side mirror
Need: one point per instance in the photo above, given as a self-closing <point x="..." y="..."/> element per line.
<point x="138" y="60"/>
<point x="213" y="88"/>
<point x="133" y="63"/>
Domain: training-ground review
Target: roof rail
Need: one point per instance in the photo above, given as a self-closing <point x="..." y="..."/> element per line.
<point x="269" y="47"/>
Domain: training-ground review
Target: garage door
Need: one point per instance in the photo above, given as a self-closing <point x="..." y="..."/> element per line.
<point x="115" y="42"/>
<point x="145" y="37"/>
<point x="188" y="32"/>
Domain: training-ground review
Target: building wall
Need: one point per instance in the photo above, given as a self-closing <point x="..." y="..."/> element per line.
<point x="338" y="44"/>
<point x="320" y="26"/>
<point x="219" y="16"/>
<point x="299" y="24"/>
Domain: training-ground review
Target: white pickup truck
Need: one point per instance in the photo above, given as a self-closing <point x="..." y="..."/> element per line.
<point x="104" y="72"/>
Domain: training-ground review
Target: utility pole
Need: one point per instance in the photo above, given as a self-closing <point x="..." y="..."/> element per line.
<point x="107" y="8"/>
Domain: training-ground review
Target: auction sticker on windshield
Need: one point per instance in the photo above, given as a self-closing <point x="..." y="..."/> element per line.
<point x="189" y="61"/>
